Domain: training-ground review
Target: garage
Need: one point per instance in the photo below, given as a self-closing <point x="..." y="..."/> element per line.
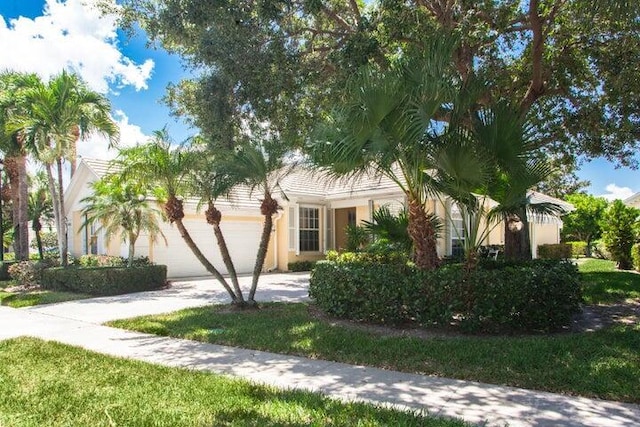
<point x="242" y="237"/>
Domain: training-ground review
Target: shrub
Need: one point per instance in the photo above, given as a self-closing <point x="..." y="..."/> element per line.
<point x="357" y="237"/>
<point x="105" y="280"/>
<point x="555" y="251"/>
<point x="600" y="250"/>
<point x="578" y="249"/>
<point x="301" y="265"/>
<point x="618" y="232"/>
<point x="110" y="261"/>
<point x="635" y="255"/>
<point x="535" y="296"/>
<point x="29" y="273"/>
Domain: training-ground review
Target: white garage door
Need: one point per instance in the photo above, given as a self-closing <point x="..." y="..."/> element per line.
<point x="242" y="238"/>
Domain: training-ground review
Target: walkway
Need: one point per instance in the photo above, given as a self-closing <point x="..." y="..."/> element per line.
<point x="77" y="323"/>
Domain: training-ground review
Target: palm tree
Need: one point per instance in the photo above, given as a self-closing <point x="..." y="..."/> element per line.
<point x="39" y="207"/>
<point x="60" y="112"/>
<point x="259" y="164"/>
<point x="12" y="142"/>
<point x="122" y="207"/>
<point x="168" y="170"/>
<point x="388" y="126"/>
<point x="211" y="182"/>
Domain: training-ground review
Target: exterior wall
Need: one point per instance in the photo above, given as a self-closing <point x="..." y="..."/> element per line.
<point x="341" y="222"/>
<point x="362" y="214"/>
<point x="543" y="234"/>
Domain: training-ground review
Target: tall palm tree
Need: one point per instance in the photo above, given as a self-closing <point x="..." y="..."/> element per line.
<point x="210" y="181"/>
<point x="40" y="207"/>
<point x="122" y="207"/>
<point x="259" y="164"/>
<point x="387" y="126"/>
<point x="60" y="112"/>
<point x="168" y="169"/>
<point x="13" y="105"/>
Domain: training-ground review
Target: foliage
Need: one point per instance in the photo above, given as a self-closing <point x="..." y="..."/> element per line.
<point x="635" y="256"/>
<point x="110" y="261"/>
<point x="600" y="250"/>
<point x="121" y="207"/>
<point x="618" y="233"/>
<point x="49" y="240"/>
<point x="357" y="237"/>
<point x="105" y="280"/>
<point x="559" y="363"/>
<point x="529" y="296"/>
<point x="585" y="222"/>
<point x="555" y="251"/>
<point x="301" y="266"/>
<point x="579" y="249"/>
<point x="95" y="389"/>
<point x="29" y="273"/>
<point x="604" y="284"/>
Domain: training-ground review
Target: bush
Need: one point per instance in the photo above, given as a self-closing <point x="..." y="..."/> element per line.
<point x="600" y="250"/>
<point x="535" y="296"/>
<point x="618" y="232"/>
<point x="578" y="249"/>
<point x="29" y="273"/>
<point x="110" y="261"/>
<point x="555" y="251"/>
<point x="301" y="265"/>
<point x="4" y="269"/>
<point x="105" y="280"/>
<point x="635" y="255"/>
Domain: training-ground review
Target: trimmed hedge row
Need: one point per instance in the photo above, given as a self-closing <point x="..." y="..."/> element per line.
<point x="301" y="266"/>
<point x="539" y="296"/>
<point x="635" y="256"/>
<point x="555" y="251"/>
<point x="105" y="280"/>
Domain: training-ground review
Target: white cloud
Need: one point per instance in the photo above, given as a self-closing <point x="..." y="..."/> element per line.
<point x="97" y="147"/>
<point x="72" y="35"/>
<point x="614" y="192"/>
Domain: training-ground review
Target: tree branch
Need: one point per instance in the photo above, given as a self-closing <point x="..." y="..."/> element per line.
<point x="356" y="11"/>
<point x="536" y="87"/>
<point x="337" y="18"/>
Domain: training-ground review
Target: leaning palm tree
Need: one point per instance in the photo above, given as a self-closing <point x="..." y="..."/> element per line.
<point x="166" y="168"/>
<point x="260" y="164"/>
<point x="122" y="207"/>
<point x="387" y="126"/>
<point x="12" y="143"/>
<point x="60" y="112"/>
<point x="39" y="207"/>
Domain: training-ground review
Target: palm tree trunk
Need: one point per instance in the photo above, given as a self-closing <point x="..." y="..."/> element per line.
<point x="268" y="208"/>
<point x="22" y="234"/>
<point x="36" y="226"/>
<point x="204" y="261"/>
<point x="214" y="216"/>
<point x="517" y="244"/>
<point x="56" y="206"/>
<point x="11" y="166"/>
<point x="64" y="242"/>
<point x="423" y="235"/>
<point x="132" y="249"/>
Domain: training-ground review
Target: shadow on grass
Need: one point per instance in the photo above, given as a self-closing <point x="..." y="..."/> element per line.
<point x="608" y="287"/>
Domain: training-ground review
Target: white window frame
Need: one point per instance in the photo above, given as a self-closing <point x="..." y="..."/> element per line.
<point x="299" y="229"/>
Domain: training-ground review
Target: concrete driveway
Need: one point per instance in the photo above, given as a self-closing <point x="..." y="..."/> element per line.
<point x="181" y="294"/>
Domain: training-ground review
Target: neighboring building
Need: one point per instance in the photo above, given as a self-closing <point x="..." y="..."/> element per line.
<point x="315" y="212"/>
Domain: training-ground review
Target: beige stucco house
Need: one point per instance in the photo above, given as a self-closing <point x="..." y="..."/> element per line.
<point x="633" y="201"/>
<point x="315" y="212"/>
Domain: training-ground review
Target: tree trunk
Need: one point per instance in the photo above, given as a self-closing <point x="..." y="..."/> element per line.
<point x="204" y="261"/>
<point x="214" y="216"/>
<point x="36" y="226"/>
<point x="11" y="167"/>
<point x="423" y="236"/>
<point x="73" y="156"/>
<point x="268" y="208"/>
<point x="64" y="240"/>
<point x="132" y="249"/>
<point x="22" y="234"/>
<point x="517" y="244"/>
<point x="56" y="205"/>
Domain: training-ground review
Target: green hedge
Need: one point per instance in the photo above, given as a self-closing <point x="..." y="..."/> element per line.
<point x="105" y="280"/>
<point x="635" y="256"/>
<point x="555" y="251"/>
<point x="578" y="249"/>
<point x="539" y="296"/>
<point x="301" y="265"/>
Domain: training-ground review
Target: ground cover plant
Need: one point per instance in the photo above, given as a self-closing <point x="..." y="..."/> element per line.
<point x="46" y="383"/>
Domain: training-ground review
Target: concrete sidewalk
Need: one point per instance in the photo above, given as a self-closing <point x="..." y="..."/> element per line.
<point x="477" y="403"/>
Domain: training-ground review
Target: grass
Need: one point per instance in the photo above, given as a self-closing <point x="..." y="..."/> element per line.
<point x="28" y="299"/>
<point x="45" y="383"/>
<point x="603" y="284"/>
<point x="603" y="364"/>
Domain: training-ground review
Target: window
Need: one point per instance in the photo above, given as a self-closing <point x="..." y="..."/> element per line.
<point x="309" y="229"/>
<point x="351" y="217"/>
<point x="456" y="232"/>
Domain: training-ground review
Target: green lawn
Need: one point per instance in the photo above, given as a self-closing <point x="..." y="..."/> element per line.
<point x="603" y="284"/>
<point x="45" y="383"/>
<point x="604" y="364"/>
<point x="27" y="299"/>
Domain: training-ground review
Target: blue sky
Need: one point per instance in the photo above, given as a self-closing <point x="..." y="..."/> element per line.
<point x="43" y="36"/>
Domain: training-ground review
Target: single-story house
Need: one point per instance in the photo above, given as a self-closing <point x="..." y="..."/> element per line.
<point x="315" y="212"/>
<point x="633" y="201"/>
